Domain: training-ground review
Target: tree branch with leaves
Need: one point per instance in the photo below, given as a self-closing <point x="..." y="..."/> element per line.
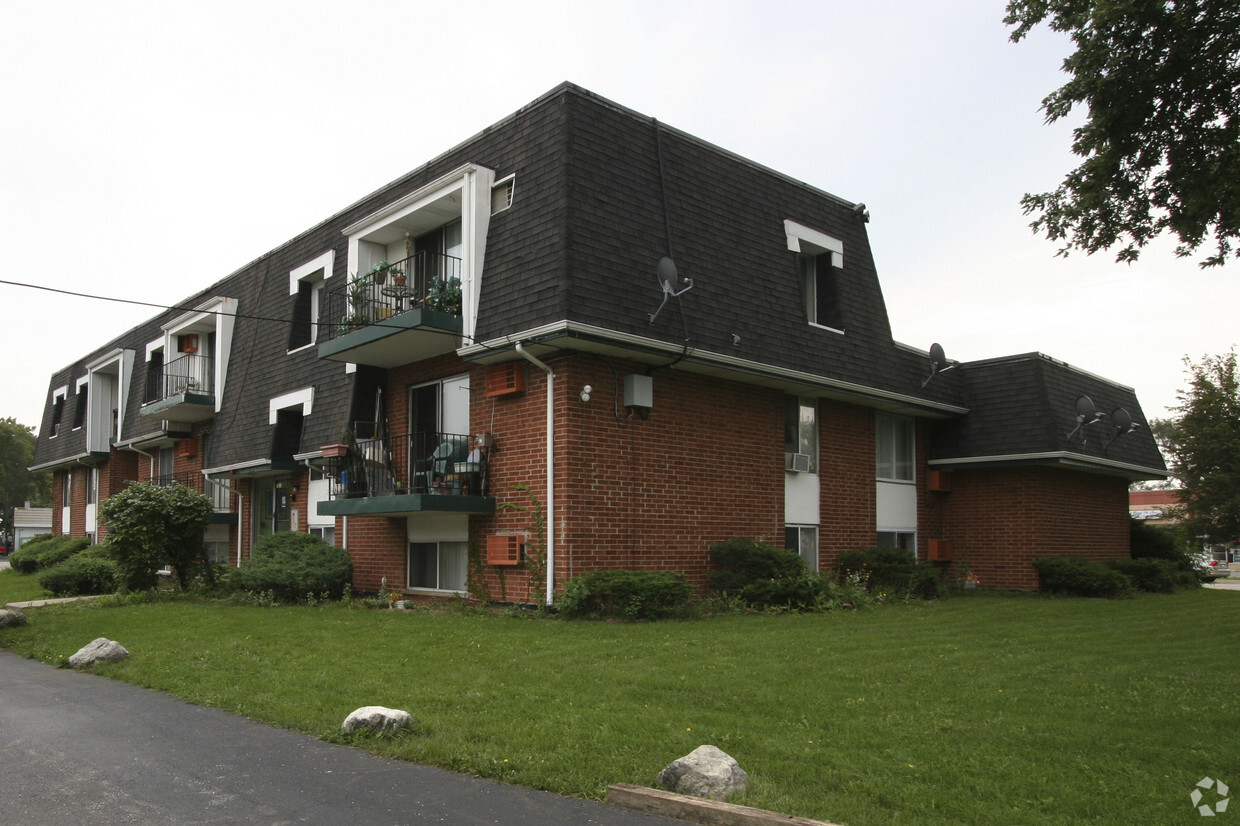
<point x="1161" y="143"/>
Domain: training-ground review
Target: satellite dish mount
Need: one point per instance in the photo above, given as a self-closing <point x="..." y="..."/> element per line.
<point x="1123" y="423"/>
<point x="1086" y="414"/>
<point x="938" y="363"/>
<point x="666" y="274"/>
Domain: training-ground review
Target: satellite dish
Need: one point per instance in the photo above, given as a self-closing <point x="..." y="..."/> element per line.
<point x="1122" y="421"/>
<point x="938" y="363"/>
<point x="1086" y="414"/>
<point x="666" y="273"/>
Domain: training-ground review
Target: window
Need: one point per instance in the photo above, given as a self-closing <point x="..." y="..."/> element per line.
<point x="325" y="532"/>
<point x="895" y="447"/>
<point x="307" y="286"/>
<point x="800" y="434"/>
<point x="92" y="485"/>
<point x="804" y="540"/>
<point x="58" y="410"/>
<point x="439" y="566"/>
<point x="904" y="540"/>
<point x="820" y="261"/>
<point x="820" y="289"/>
<point x="79" y="409"/>
<point x="501" y="195"/>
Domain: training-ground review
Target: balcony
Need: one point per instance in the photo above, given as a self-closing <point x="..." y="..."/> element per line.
<point x="396" y="314"/>
<point x="220" y="498"/>
<point x="183" y="390"/>
<point x="409" y="473"/>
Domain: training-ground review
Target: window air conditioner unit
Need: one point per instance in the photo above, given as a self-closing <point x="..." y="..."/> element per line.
<point x="796" y="462"/>
<point x="505" y="379"/>
<point x="504" y="550"/>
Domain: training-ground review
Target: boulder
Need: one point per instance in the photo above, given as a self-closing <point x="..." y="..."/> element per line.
<point x="101" y="650"/>
<point x="10" y="617"/>
<point x="705" y="772"/>
<point x="377" y="719"/>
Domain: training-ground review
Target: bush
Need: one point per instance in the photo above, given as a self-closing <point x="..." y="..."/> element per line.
<point x="1080" y="577"/>
<point x="625" y="594"/>
<point x="890" y="571"/>
<point x="294" y="566"/>
<point x="763" y="576"/>
<point x="151" y="525"/>
<point x="742" y="562"/>
<point x="83" y="573"/>
<point x="1158" y="576"/>
<point x="45" y="552"/>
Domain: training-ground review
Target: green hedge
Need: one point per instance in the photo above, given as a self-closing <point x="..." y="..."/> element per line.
<point x="890" y="571"/>
<point x="1159" y="576"/>
<point x="625" y="594"/>
<point x="293" y="566"/>
<point x="44" y="553"/>
<point x="739" y="563"/>
<point x="1081" y="577"/>
<point x="83" y="573"/>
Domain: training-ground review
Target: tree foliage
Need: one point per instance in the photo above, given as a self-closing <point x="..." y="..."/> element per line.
<point x="17" y="484"/>
<point x="1203" y="444"/>
<point x="1161" y="145"/>
<point x="150" y="526"/>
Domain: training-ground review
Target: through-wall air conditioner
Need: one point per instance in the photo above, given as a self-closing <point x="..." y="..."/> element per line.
<point x="504" y="549"/>
<point x="505" y="379"/>
<point x="796" y="462"/>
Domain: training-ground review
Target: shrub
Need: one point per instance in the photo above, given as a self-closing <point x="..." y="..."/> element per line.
<point x="48" y="551"/>
<point x="83" y="573"/>
<point x="890" y="571"/>
<point x="1080" y="577"/>
<point x="625" y="594"/>
<point x="293" y="566"/>
<point x="151" y="525"/>
<point x="1157" y="576"/>
<point x="742" y="562"/>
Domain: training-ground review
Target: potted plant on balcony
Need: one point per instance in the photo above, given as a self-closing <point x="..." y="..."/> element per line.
<point x="444" y="296"/>
<point x="359" y="306"/>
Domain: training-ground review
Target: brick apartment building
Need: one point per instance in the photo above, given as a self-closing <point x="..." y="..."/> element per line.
<point x="501" y="326"/>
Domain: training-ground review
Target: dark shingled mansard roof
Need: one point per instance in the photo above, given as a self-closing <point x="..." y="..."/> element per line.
<point x="601" y="193"/>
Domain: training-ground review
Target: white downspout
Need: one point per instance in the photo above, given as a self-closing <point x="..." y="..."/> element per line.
<point x="550" y="470"/>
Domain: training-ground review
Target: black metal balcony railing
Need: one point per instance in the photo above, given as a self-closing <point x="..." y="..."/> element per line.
<point x="189" y="373"/>
<point x="423" y="281"/>
<point x="220" y="496"/>
<point x="429" y="463"/>
<point x="187" y="478"/>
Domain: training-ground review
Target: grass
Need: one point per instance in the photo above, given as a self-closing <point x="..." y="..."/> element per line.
<point x="974" y="709"/>
<point x="15" y="587"/>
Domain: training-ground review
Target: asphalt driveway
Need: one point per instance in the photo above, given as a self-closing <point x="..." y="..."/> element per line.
<point x="80" y="749"/>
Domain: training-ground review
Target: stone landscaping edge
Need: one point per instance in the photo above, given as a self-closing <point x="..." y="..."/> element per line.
<point x="38" y="603"/>
<point x="698" y="809"/>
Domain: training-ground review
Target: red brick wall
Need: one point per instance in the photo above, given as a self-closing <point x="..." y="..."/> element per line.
<point x="846" y="473"/>
<point x="1000" y="520"/>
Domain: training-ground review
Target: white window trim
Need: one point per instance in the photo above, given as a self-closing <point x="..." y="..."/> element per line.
<point x="800" y="236"/>
<point x="61" y="393"/>
<point x="308" y="272"/>
<point x="303" y="398"/>
<point x="77" y="390"/>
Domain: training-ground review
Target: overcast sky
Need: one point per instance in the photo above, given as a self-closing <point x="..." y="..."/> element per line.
<point x="149" y="149"/>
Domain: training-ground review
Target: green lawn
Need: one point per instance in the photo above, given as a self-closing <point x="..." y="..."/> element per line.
<point x="15" y="587"/>
<point x="979" y="709"/>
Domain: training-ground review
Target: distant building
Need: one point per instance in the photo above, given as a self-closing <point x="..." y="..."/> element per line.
<point x="1153" y="507"/>
<point x="28" y="522"/>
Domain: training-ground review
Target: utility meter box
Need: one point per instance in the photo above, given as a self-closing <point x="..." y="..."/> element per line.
<point x="638" y="391"/>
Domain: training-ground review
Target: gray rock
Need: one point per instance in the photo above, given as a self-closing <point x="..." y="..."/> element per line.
<point x="377" y="719"/>
<point x="10" y="617"/>
<point x="101" y="650"/>
<point x="705" y="772"/>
